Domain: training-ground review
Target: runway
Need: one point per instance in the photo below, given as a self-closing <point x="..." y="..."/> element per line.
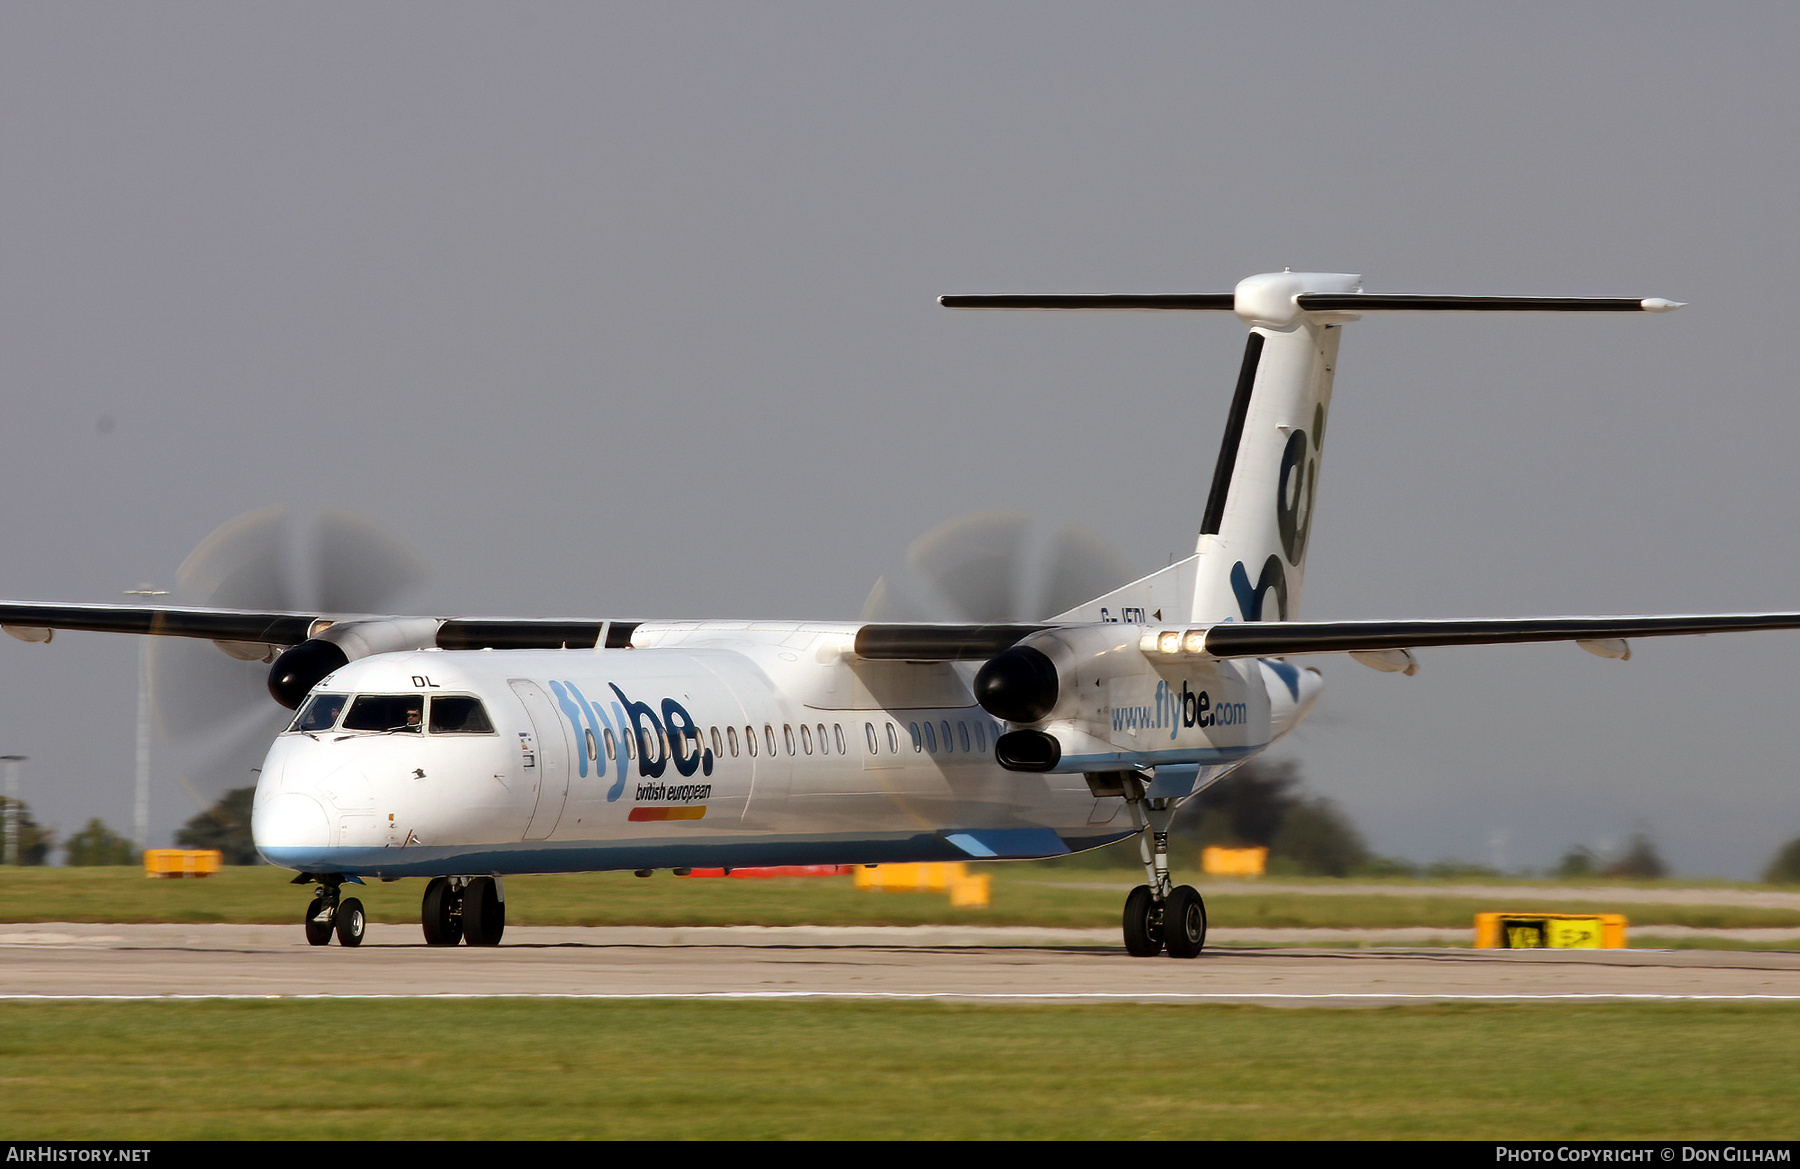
<point x="68" y="961"/>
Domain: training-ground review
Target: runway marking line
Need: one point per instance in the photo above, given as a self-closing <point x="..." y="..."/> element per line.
<point x="915" y="996"/>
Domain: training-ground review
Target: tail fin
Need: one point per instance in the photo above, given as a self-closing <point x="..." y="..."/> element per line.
<point x="1252" y="545"/>
<point x="1249" y="562"/>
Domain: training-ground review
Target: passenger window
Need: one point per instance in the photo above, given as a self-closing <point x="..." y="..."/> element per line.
<point x="769" y="739"/>
<point x="320" y="712"/>
<point x="824" y="747"/>
<point x="930" y="738"/>
<point x="893" y="740"/>
<point x="869" y="730"/>
<point x="718" y="748"/>
<point x="805" y="740"/>
<point x="918" y="743"/>
<point x="459" y="714"/>
<point x="787" y="734"/>
<point x="610" y="745"/>
<point x="837" y="733"/>
<point x="593" y="747"/>
<point x="962" y="734"/>
<point x="387" y="712"/>
<point x="731" y="738"/>
<point x="949" y="744"/>
<point x="980" y="736"/>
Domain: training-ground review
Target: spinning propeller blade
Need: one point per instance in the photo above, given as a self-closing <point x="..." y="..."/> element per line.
<point x="996" y="566"/>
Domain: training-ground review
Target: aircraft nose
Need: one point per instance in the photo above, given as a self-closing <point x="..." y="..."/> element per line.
<point x="289" y="821"/>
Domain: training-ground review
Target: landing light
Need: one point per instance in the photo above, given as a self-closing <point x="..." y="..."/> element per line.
<point x="1173" y="642"/>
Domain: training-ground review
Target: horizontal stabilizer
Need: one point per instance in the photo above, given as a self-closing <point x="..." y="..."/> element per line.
<point x="1362" y="302"/>
<point x="1191" y="301"/>
<point x="1319" y="302"/>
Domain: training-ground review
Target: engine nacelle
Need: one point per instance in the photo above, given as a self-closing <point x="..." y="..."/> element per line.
<point x="304" y="666"/>
<point x="1094" y="698"/>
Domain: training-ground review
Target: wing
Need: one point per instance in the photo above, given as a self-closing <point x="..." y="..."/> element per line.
<point x="1274" y="639"/>
<point x="37" y="620"/>
<point x="1268" y="639"/>
<point x="305" y="647"/>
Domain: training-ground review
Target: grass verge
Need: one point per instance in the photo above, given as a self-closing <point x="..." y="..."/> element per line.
<point x="1023" y="894"/>
<point x="283" y="1070"/>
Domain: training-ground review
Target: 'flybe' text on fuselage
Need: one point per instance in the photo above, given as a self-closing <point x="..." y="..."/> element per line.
<point x="1178" y="709"/>
<point x="660" y="736"/>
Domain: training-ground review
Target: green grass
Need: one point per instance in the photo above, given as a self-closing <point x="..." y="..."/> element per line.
<point x="1023" y="894"/>
<point x="354" y="1070"/>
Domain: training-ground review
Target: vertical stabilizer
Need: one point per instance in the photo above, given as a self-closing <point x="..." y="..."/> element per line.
<point x="1253" y="534"/>
<point x="1251" y="556"/>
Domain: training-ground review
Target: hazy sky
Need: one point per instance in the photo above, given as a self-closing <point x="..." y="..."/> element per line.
<point x="628" y="310"/>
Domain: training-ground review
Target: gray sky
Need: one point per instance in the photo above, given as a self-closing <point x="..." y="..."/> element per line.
<point x="628" y="310"/>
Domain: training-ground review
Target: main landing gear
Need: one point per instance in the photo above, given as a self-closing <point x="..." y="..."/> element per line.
<point x="463" y="909"/>
<point x="1158" y="917"/>
<point x="329" y="913"/>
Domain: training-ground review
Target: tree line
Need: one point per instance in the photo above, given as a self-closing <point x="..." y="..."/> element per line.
<point x="1261" y="804"/>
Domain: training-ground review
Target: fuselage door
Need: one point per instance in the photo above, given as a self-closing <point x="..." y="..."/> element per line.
<point x="549" y="778"/>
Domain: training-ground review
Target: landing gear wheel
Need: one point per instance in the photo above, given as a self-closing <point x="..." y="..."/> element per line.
<point x="441" y="913"/>
<point x="1143" y="924"/>
<point x="1184" y="923"/>
<point x="318" y="933"/>
<point x="350" y="922"/>
<point x="484" y="914"/>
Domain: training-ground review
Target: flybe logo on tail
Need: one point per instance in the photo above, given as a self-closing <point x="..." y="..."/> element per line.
<point x="1250" y="596"/>
<point x="1294" y="491"/>
<point x="660" y="737"/>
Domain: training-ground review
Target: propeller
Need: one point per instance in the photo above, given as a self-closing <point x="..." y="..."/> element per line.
<point x="997" y="566"/>
<point x="215" y="707"/>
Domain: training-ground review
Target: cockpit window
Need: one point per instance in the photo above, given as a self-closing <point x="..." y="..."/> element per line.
<point x="387" y="712"/>
<point x="456" y="714"/>
<point x="320" y="712"/>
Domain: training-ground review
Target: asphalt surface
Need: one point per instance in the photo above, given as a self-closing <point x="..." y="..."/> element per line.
<point x="949" y="963"/>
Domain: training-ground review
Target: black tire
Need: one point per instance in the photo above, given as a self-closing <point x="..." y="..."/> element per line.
<point x="441" y="913"/>
<point x="318" y="933"/>
<point x="484" y="914"/>
<point x="1184" y="923"/>
<point x="350" y="922"/>
<point x="1143" y="924"/>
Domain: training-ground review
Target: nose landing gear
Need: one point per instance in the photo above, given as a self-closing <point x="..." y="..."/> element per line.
<point x="318" y="917"/>
<point x="329" y="914"/>
<point x="457" y="909"/>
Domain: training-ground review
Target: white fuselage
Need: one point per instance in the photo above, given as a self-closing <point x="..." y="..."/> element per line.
<point x="705" y="744"/>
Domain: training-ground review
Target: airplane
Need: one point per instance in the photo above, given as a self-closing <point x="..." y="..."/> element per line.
<point x="468" y="749"/>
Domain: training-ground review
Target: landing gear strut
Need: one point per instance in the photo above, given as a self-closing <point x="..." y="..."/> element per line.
<point x="458" y="909"/>
<point x="1158" y="917"/>
<point x="329" y="914"/>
